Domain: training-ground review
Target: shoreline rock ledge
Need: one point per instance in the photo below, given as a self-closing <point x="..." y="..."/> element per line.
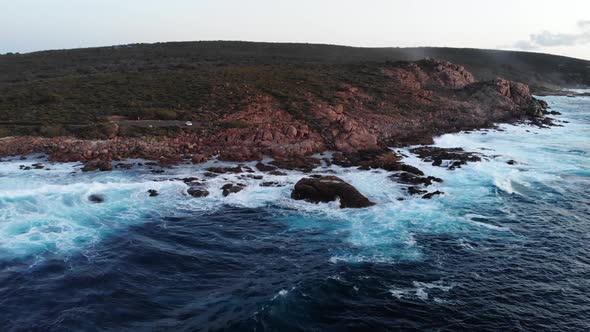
<point x="327" y="189"/>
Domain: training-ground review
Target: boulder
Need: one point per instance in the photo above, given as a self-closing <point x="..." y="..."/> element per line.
<point x="94" y="165"/>
<point x="329" y="188"/>
<point x="199" y="158"/>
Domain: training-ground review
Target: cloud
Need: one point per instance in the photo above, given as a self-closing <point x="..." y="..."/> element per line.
<point x="550" y="39"/>
<point x="524" y="45"/>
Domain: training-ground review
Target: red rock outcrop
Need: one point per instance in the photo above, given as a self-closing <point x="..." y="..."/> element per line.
<point x="263" y="128"/>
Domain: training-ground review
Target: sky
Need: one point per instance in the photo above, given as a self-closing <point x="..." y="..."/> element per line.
<point x="557" y="27"/>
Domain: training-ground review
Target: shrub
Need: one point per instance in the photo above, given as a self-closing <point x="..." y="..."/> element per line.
<point x="164" y="114"/>
<point x="159" y="114"/>
<point x="50" y="98"/>
<point x="52" y="131"/>
<point x="4" y="132"/>
<point x="234" y="124"/>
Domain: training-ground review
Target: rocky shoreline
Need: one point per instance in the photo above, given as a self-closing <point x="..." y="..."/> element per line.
<point x="421" y="100"/>
<point x="424" y="98"/>
<point x="315" y="184"/>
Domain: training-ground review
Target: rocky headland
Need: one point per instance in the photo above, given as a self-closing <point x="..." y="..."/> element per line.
<point x="418" y="101"/>
<point x="414" y="102"/>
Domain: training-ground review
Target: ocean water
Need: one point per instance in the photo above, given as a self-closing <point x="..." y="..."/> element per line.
<point x="506" y="248"/>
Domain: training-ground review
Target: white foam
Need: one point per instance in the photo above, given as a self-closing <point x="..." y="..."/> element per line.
<point x="422" y="290"/>
<point x="44" y="210"/>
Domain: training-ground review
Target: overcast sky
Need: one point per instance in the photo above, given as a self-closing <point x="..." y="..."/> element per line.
<point x="559" y="27"/>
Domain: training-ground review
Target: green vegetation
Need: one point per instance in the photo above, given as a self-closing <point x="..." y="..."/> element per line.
<point x="50" y="98"/>
<point x="234" y="124"/>
<point x="52" y="131"/>
<point x="4" y="132"/>
<point x="56" y="92"/>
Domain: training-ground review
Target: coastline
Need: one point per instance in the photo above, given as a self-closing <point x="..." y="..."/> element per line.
<point x="428" y="98"/>
<point x="451" y="251"/>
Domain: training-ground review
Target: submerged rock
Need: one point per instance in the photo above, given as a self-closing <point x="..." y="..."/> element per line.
<point x="327" y="189"/>
<point x="432" y="194"/>
<point x="271" y="184"/>
<point x="412" y="179"/>
<point x="96" y="198"/>
<point x="153" y="192"/>
<point x="125" y="165"/>
<point x="277" y="173"/>
<point x="455" y="157"/>
<point x="416" y="191"/>
<point x="197" y="191"/>
<point x="190" y="180"/>
<point x="231" y="188"/>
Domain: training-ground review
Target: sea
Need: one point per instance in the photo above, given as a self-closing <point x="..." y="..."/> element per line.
<point x="506" y="248"/>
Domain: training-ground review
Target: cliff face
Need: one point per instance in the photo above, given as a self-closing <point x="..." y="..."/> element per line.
<point x="413" y="102"/>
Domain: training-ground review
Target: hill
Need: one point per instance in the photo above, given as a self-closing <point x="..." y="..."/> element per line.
<point x="531" y="68"/>
<point x="66" y="92"/>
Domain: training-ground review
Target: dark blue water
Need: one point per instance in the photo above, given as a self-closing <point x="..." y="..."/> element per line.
<point x="508" y="248"/>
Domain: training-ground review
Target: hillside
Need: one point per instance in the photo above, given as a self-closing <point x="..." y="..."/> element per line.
<point x="531" y="68"/>
<point x="68" y="92"/>
<point x="244" y="112"/>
